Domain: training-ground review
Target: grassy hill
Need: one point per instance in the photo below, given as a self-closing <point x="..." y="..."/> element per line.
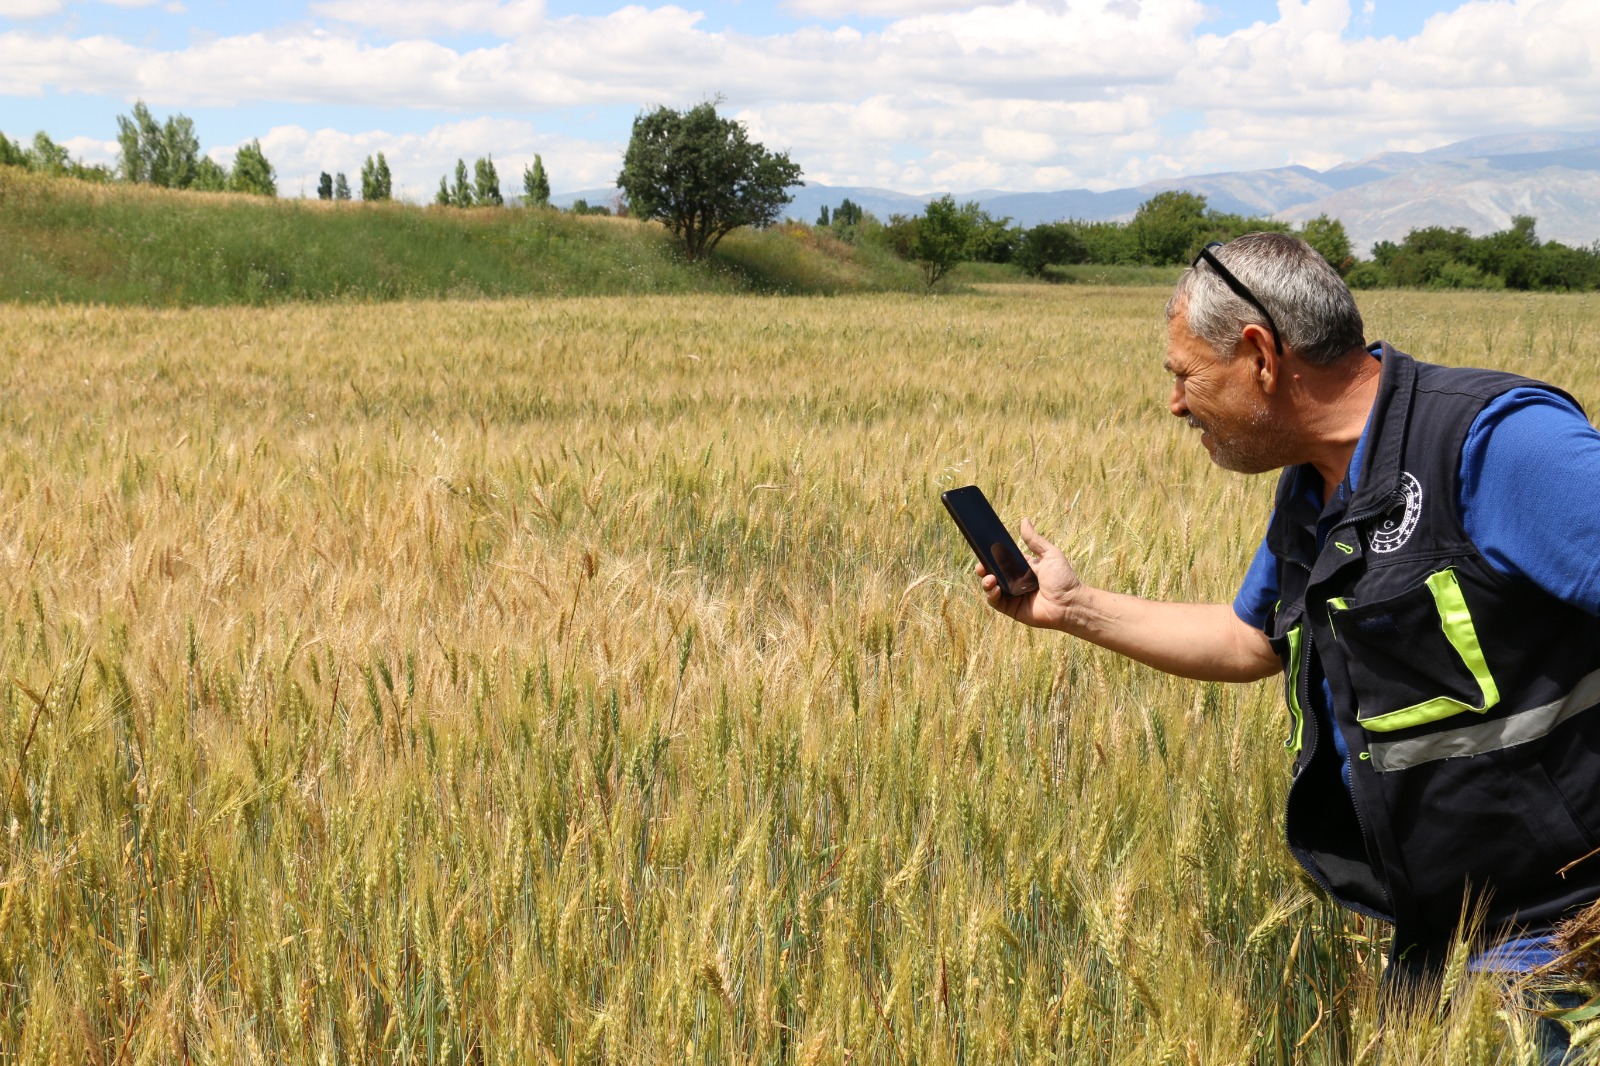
<point x="71" y="241"/>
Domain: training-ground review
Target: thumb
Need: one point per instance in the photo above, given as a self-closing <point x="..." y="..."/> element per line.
<point x="1036" y="543"/>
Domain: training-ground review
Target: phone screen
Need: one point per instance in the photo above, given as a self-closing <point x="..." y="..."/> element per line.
<point x="990" y="539"/>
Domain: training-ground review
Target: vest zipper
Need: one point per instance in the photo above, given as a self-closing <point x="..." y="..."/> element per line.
<point x="1316" y="735"/>
<point x="1367" y="839"/>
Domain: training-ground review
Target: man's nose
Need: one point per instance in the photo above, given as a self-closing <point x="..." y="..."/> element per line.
<point x="1177" y="403"/>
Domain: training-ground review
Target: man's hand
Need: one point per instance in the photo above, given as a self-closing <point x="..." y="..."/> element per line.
<point x="1047" y="608"/>
<point x="1206" y="641"/>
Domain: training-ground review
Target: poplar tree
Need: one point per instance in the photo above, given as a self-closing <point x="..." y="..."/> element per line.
<point x="536" y="185"/>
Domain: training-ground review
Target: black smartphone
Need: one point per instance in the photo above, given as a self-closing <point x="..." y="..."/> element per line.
<point x="989" y="538"/>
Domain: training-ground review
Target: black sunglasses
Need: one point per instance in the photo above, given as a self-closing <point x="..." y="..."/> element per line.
<point x="1239" y="290"/>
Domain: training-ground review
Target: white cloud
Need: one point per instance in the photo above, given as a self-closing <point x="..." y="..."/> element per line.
<point x="1023" y="94"/>
<point x="29" y="9"/>
<point x="838" y="9"/>
<point x="402" y="18"/>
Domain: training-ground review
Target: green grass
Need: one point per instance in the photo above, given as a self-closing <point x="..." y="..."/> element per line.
<point x="68" y="241"/>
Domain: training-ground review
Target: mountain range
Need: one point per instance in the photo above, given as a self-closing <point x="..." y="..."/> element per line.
<point x="1479" y="184"/>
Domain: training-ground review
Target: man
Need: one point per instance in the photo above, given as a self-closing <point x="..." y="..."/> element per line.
<point x="1429" y="585"/>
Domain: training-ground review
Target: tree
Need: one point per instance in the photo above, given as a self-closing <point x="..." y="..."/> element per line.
<point x="325" y="186"/>
<point x="701" y="176"/>
<point x="252" y="173"/>
<point x="383" y="180"/>
<point x="210" y="176"/>
<point x="1050" y="244"/>
<point x="1328" y="237"/>
<point x="341" y="186"/>
<point x="461" y="191"/>
<point x="442" y="197"/>
<point x="11" y="153"/>
<point x="156" y="153"/>
<point x="46" y="156"/>
<point x="486" y="182"/>
<point x="1168" y="226"/>
<point x="945" y="236"/>
<point x="822" y="218"/>
<point x="376" y="181"/>
<point x="535" y="185"/>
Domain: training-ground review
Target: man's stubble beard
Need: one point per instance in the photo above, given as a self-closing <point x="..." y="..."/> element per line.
<point x="1254" y="445"/>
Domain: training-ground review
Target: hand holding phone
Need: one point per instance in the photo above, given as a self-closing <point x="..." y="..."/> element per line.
<point x="990" y="540"/>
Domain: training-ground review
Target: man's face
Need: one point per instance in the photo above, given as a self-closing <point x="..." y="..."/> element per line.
<point x="1225" y="400"/>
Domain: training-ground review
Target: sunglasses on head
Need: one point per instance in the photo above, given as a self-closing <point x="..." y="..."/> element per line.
<point x="1239" y="289"/>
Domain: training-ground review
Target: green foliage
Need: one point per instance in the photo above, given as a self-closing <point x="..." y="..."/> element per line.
<point x="325" y="186"/>
<point x="945" y="235"/>
<point x="849" y="222"/>
<point x="341" y="187"/>
<point x="165" y="154"/>
<point x="701" y="176"/>
<point x="1051" y="244"/>
<point x="1168" y="227"/>
<point x="252" y="173"/>
<point x="486" y="183"/>
<point x="1436" y="257"/>
<point x="580" y="206"/>
<point x="376" y="182"/>
<point x="535" y="184"/>
<point x="460" y="193"/>
<point x="47" y="157"/>
<point x="154" y="247"/>
<point x="11" y="153"/>
<point x="210" y="176"/>
<point x="1328" y="237"/>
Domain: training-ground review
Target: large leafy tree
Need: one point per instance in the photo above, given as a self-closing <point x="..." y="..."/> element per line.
<point x="1328" y="237"/>
<point x="702" y="176"/>
<point x="252" y="173"/>
<point x="1169" y="225"/>
<point x="158" y="153"/>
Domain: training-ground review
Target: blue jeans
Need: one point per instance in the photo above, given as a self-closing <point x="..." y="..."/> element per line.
<point x="1549" y="1035"/>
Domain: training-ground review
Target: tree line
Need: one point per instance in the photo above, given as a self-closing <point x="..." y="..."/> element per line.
<point x="1170" y="228"/>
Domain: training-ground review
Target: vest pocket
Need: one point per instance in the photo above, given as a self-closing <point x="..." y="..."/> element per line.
<point x="1414" y="658"/>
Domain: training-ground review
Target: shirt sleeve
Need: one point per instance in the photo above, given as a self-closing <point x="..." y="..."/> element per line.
<point x="1530" y="469"/>
<point x="1259" y="592"/>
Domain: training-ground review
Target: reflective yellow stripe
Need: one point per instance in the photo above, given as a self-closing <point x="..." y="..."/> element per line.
<point x="1456" y="620"/>
<point x="1297" y="732"/>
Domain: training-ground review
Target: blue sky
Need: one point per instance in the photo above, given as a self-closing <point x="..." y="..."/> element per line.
<point x="917" y="95"/>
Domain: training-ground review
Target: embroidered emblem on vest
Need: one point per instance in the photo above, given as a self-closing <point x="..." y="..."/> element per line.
<point x="1397" y="526"/>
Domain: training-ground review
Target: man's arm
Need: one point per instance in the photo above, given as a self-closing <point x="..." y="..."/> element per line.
<point x="1204" y="641"/>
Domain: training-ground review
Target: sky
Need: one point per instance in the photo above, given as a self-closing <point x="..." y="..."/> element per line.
<point x="913" y="95"/>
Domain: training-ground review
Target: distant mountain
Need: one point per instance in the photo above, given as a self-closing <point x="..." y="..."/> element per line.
<point x="1479" y="184"/>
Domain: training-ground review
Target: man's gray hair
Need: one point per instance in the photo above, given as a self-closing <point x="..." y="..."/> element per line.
<point x="1307" y="298"/>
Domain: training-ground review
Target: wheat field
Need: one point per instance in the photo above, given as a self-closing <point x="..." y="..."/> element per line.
<point x="599" y="680"/>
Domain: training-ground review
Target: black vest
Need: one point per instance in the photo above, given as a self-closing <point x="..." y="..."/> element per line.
<point x="1467" y="699"/>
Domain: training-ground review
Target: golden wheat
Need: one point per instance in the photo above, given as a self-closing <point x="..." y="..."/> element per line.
<point x="599" y="680"/>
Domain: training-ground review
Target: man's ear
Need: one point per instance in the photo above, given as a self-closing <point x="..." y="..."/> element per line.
<point x="1266" y="364"/>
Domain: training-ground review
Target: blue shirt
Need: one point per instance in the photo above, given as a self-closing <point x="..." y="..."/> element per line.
<point x="1530" y="468"/>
